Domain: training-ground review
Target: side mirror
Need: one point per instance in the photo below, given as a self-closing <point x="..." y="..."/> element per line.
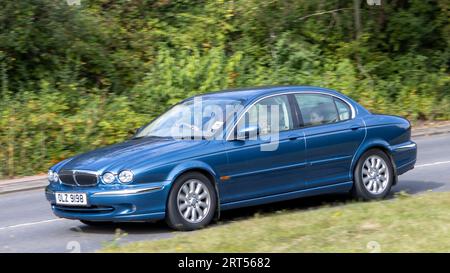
<point x="138" y="130"/>
<point x="251" y="131"/>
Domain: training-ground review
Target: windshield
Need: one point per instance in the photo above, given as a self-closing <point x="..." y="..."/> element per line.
<point x="195" y="118"/>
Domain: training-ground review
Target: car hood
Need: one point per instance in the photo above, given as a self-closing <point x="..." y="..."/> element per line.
<point x="126" y="154"/>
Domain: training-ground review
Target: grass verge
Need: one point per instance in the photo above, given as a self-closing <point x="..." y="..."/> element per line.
<point x="418" y="223"/>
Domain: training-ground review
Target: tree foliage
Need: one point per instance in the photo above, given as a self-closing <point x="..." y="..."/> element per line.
<point x="77" y="77"/>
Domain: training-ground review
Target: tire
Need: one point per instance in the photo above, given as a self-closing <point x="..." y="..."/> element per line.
<point x="96" y="223"/>
<point x="192" y="202"/>
<point x="373" y="176"/>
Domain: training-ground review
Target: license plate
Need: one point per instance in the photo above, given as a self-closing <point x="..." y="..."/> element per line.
<point x="71" y="198"/>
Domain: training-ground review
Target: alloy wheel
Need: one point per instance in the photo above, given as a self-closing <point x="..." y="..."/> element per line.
<point x="375" y="174"/>
<point x="193" y="201"/>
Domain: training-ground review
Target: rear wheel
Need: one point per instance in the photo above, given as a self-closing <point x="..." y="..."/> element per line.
<point x="192" y="202"/>
<point x="374" y="176"/>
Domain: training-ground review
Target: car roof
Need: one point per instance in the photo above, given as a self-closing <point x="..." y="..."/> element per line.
<point x="251" y="93"/>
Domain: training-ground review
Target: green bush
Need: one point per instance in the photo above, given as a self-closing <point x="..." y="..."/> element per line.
<point x="73" y="78"/>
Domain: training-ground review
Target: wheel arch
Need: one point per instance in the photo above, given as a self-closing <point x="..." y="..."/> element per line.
<point x="199" y="167"/>
<point x="380" y="145"/>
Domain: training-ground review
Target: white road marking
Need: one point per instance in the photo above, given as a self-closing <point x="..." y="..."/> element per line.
<point x="31" y="224"/>
<point x="59" y="219"/>
<point x="433" y="164"/>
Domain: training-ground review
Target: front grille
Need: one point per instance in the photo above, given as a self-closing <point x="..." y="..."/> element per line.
<point x="67" y="178"/>
<point x="86" y="179"/>
<point x="78" y="178"/>
<point x="89" y="209"/>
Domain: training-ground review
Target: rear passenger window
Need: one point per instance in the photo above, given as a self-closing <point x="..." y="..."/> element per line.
<point x="317" y="109"/>
<point x="343" y="109"/>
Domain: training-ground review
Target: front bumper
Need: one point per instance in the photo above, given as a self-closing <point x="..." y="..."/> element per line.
<point x="119" y="203"/>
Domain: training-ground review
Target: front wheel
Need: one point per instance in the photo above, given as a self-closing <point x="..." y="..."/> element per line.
<point x="192" y="202"/>
<point x="374" y="176"/>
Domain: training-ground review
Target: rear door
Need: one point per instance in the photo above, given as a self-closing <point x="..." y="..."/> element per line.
<point x="332" y="135"/>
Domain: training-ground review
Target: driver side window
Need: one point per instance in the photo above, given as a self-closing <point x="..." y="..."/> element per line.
<point x="272" y="115"/>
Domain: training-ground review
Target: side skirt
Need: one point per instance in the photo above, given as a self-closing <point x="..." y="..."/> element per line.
<point x="336" y="188"/>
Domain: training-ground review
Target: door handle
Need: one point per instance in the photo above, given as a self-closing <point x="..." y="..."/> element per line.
<point x="355" y="127"/>
<point x="293" y="137"/>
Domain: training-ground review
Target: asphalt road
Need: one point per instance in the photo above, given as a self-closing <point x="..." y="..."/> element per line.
<point x="27" y="224"/>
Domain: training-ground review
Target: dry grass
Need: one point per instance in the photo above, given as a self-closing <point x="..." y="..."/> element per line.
<point x="405" y="224"/>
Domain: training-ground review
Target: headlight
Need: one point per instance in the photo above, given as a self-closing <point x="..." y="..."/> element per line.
<point x="55" y="177"/>
<point x="50" y="175"/>
<point x="125" y="176"/>
<point x="108" y="178"/>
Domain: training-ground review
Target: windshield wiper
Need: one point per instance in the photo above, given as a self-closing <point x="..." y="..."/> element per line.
<point x="150" y="136"/>
<point x="196" y="137"/>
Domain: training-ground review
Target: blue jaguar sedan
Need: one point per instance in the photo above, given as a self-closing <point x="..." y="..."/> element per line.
<point x="233" y="149"/>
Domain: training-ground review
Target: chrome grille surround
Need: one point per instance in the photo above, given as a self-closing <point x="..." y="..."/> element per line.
<point x="82" y="178"/>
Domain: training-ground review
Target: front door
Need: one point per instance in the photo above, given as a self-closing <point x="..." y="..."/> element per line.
<point x="272" y="163"/>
